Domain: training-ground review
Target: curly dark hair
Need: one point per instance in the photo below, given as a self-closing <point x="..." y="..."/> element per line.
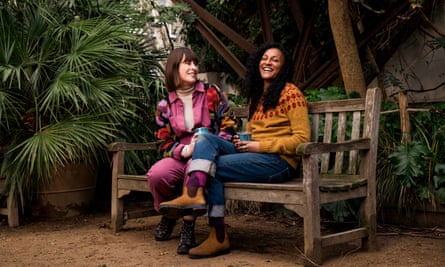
<point x="253" y="83"/>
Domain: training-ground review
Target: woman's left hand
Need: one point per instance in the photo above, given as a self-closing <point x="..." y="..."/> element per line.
<point x="247" y="146"/>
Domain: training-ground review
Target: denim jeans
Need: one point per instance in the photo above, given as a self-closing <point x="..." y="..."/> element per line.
<point x="223" y="163"/>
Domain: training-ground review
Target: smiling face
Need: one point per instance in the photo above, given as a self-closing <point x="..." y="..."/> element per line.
<point x="188" y="72"/>
<point x="270" y="65"/>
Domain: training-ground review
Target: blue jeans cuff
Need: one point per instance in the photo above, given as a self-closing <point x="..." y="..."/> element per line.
<point x="203" y="165"/>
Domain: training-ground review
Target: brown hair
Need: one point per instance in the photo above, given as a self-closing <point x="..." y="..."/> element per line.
<point x="172" y="80"/>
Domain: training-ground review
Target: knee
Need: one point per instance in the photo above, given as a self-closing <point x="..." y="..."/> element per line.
<point x="154" y="179"/>
<point x="202" y="137"/>
<point x="205" y="137"/>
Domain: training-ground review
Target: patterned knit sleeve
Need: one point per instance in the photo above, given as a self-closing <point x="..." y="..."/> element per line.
<point x="224" y="123"/>
<point x="164" y="132"/>
<point x="299" y="120"/>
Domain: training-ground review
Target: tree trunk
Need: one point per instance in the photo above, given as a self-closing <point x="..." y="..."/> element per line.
<point x="347" y="51"/>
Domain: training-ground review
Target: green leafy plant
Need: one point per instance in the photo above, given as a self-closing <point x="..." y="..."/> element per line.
<point x="322" y="94"/>
<point x="74" y="78"/>
<point x="439" y="182"/>
<point x="411" y="174"/>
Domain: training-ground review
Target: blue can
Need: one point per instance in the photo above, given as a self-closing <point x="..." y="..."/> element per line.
<point x="201" y="130"/>
<point x="245" y="136"/>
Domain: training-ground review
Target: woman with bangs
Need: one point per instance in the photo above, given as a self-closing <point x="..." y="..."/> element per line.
<point x="190" y="104"/>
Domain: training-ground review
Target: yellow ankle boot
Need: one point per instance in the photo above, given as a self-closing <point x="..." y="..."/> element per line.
<point x="211" y="247"/>
<point x="176" y="207"/>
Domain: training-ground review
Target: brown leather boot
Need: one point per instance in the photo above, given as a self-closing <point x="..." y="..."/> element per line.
<point x="176" y="207"/>
<point x="211" y="247"/>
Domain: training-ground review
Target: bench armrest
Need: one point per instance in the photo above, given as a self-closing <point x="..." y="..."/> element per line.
<point x="319" y="148"/>
<point x="124" y="146"/>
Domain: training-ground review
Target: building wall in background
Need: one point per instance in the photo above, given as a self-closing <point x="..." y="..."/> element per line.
<point x="417" y="67"/>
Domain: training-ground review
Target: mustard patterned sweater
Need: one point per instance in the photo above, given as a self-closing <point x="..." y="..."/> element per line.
<point x="282" y="129"/>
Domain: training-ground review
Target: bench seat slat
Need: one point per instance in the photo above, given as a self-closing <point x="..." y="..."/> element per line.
<point x="341" y="183"/>
<point x="331" y="184"/>
<point x="123" y="146"/>
<point x="293" y="185"/>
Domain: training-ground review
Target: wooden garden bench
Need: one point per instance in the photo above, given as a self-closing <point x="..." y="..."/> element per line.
<point x="9" y="203"/>
<point x="338" y="164"/>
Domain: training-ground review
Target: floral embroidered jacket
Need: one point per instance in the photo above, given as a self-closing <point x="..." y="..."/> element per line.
<point x="210" y="109"/>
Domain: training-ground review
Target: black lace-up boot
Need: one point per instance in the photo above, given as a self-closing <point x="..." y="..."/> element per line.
<point x="187" y="240"/>
<point x="164" y="229"/>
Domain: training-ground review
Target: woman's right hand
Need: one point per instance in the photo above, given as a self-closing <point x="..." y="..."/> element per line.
<point x="187" y="150"/>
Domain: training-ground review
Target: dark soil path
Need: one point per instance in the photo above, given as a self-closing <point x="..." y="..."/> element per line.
<point x="256" y="241"/>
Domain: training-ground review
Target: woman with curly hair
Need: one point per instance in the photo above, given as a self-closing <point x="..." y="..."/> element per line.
<point x="278" y="123"/>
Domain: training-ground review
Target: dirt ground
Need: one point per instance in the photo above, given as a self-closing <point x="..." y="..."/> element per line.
<point x="87" y="240"/>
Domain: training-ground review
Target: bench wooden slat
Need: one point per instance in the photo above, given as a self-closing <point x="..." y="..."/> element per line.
<point x="10" y="206"/>
<point x="242" y="112"/>
<point x="355" y="135"/>
<point x="123" y="146"/>
<point x="133" y="182"/>
<point x="341" y="137"/>
<point x="327" y="139"/>
<point x="315" y="126"/>
<point x="335" y="106"/>
<point x="341" y="183"/>
<point x="292" y="185"/>
<point x="344" y="237"/>
<point x="319" y="148"/>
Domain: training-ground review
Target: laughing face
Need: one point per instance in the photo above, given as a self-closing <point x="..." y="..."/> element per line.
<point x="188" y="72"/>
<point x="270" y="64"/>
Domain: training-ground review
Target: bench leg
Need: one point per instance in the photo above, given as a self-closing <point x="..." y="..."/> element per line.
<point x="369" y="220"/>
<point x="13" y="211"/>
<point x="312" y="241"/>
<point x="117" y="211"/>
<point x="312" y="228"/>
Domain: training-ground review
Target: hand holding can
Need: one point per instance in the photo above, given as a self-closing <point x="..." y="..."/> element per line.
<point x="201" y="130"/>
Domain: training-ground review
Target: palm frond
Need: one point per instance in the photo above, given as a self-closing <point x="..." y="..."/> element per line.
<point x="74" y="77"/>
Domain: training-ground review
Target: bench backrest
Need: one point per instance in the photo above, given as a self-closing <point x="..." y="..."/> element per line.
<point x="337" y="121"/>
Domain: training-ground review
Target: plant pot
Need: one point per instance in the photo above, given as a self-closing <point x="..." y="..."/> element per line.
<point x="70" y="193"/>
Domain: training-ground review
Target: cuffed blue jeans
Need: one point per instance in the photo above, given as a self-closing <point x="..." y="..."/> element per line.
<point x="223" y="163"/>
